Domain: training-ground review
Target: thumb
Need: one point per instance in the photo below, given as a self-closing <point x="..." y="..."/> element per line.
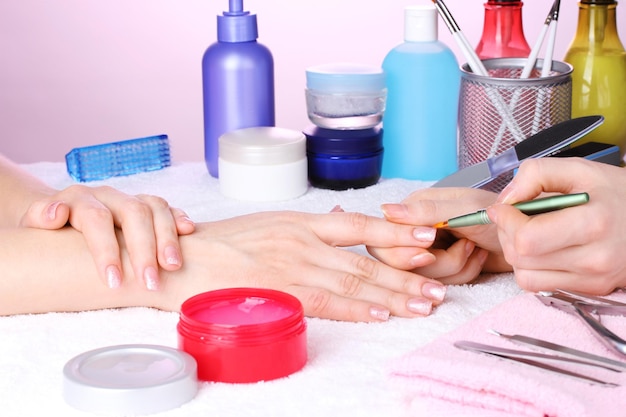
<point x="43" y="214"/>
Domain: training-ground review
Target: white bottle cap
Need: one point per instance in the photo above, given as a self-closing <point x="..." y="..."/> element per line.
<point x="420" y="23"/>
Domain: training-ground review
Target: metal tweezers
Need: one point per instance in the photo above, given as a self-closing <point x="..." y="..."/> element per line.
<point x="585" y="306"/>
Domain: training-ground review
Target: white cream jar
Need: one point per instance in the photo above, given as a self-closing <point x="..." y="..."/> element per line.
<point x="263" y="164"/>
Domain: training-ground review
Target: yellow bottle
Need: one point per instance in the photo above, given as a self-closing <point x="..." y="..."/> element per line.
<point x="599" y="77"/>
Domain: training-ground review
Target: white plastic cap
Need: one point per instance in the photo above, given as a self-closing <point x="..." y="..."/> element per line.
<point x="130" y="380"/>
<point x="420" y="23"/>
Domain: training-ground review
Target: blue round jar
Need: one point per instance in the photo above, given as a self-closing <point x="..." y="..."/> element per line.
<point x="344" y="159"/>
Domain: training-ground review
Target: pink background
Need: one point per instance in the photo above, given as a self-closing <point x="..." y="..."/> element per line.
<point x="83" y="72"/>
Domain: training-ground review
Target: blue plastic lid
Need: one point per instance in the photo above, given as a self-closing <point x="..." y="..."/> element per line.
<point x="236" y="25"/>
<point x="343" y="142"/>
<point x="345" y="78"/>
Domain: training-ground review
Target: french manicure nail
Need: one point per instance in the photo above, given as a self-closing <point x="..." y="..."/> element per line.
<point x="114" y="278"/>
<point x="172" y="257"/>
<point x="379" y="313"/>
<point x="151" y="278"/>
<point x="434" y="291"/>
<point x="420" y="306"/>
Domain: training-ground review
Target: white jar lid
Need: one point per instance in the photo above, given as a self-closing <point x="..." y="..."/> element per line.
<point x="263" y="145"/>
<point x="130" y="379"/>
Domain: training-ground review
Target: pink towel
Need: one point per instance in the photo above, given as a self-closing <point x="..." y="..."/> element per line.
<point x="442" y="380"/>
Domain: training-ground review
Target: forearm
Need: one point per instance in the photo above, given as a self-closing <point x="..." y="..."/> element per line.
<point x="18" y="189"/>
<point x="54" y="271"/>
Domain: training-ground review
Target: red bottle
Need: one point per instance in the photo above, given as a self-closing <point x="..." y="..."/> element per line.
<point x="503" y="32"/>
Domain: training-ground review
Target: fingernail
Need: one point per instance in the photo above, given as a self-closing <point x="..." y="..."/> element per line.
<point x="151" y="278"/>
<point x="188" y="219"/>
<point x="336" y="209"/>
<point x="114" y="278"/>
<point x="506" y="194"/>
<point x="434" y="291"/>
<point x="492" y="214"/>
<point x="425" y="234"/>
<point x="422" y="259"/>
<point x="172" y="257"/>
<point x="420" y="306"/>
<point x="51" y="211"/>
<point x="482" y="256"/>
<point x="379" y="313"/>
<point x="469" y="248"/>
<point x="394" y="210"/>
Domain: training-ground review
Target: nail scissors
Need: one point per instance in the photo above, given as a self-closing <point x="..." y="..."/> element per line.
<point x="584" y="307"/>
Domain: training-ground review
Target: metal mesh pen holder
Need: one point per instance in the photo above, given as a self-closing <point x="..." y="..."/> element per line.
<point x="501" y="110"/>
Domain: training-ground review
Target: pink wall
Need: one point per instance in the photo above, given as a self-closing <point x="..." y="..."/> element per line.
<point x="82" y="72"/>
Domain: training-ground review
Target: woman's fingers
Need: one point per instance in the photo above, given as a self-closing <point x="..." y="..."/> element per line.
<point x="149" y="225"/>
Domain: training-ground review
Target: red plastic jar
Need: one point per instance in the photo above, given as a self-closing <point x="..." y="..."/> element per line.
<point x="243" y="334"/>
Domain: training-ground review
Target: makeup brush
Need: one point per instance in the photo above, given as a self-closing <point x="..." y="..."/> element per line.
<point x="547" y="66"/>
<point x="531" y="62"/>
<point x="478" y="68"/>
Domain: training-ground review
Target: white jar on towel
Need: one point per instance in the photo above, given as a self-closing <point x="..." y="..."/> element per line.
<point x="263" y="164"/>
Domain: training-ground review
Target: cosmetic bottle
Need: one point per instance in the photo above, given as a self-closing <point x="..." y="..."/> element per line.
<point x="599" y="77"/>
<point x="503" y="32"/>
<point x="237" y="81"/>
<point x="420" y="120"/>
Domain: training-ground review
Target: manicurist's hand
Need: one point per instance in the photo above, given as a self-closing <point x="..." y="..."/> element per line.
<point x="461" y="254"/>
<point x="302" y="254"/>
<point x="579" y="248"/>
<point x="149" y="225"/>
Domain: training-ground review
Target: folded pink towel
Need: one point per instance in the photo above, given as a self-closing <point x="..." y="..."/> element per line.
<point x="442" y="380"/>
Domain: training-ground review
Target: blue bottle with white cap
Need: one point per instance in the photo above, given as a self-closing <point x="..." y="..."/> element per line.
<point x="238" y="81"/>
<point x="420" y="120"/>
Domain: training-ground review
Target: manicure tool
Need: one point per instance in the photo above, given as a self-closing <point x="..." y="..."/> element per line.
<point x="544" y="143"/>
<point x="516" y="357"/>
<point x="513" y="353"/>
<point x="584" y="310"/>
<point x="547" y="65"/>
<point x="526" y="71"/>
<point x="554" y="347"/>
<point x="477" y="67"/>
<point x="537" y="206"/>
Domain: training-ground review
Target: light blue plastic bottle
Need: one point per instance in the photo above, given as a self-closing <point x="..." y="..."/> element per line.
<point x="420" y="119"/>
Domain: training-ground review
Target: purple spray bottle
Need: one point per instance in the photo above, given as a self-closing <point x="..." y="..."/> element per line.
<point x="237" y="80"/>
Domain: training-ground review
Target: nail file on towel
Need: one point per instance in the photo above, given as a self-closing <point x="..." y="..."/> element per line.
<point x="465" y="345"/>
<point x="544" y="143"/>
<point x="544" y="344"/>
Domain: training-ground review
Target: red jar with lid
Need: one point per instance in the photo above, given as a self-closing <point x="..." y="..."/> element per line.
<point x="243" y="334"/>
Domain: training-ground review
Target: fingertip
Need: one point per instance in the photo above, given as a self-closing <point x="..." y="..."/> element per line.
<point x="184" y="225"/>
<point x="151" y="278"/>
<point x="379" y="313"/>
<point x="172" y="259"/>
<point x="394" y="211"/>
<point x="113" y="277"/>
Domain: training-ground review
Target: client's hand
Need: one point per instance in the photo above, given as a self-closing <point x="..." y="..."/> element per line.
<point x="301" y="254"/>
<point x="150" y="227"/>
<point x="461" y="254"/>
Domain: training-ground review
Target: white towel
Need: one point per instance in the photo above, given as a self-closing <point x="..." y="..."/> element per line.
<point x="346" y="371"/>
